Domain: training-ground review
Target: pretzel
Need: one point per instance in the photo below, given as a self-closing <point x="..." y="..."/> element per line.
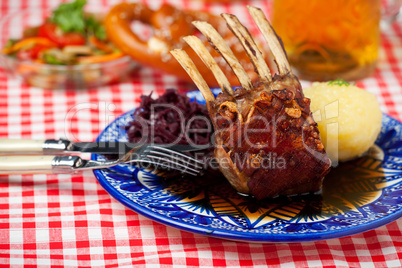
<point x="169" y="25"/>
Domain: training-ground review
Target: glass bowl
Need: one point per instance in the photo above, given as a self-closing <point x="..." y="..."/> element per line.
<point x="50" y="76"/>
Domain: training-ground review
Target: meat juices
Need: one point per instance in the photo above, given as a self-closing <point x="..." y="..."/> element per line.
<point x="267" y="143"/>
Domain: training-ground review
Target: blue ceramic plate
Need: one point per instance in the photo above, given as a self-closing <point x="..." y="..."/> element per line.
<point x="357" y="196"/>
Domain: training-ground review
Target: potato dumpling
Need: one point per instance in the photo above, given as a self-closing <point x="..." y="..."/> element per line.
<point x="348" y="117"/>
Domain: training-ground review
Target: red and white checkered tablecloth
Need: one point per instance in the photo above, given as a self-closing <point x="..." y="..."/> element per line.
<point x="70" y="220"/>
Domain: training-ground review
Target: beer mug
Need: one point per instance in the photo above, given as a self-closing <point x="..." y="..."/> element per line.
<point x="332" y="39"/>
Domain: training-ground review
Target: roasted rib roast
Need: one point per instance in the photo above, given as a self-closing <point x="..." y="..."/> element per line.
<point x="267" y="143"/>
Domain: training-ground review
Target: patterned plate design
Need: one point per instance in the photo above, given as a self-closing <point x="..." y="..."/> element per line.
<point x="357" y="196"/>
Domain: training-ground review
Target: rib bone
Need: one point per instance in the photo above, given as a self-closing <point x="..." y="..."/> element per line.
<point x="250" y="46"/>
<point x="272" y="39"/>
<point x="225" y="51"/>
<point x="188" y="65"/>
<point x="196" y="44"/>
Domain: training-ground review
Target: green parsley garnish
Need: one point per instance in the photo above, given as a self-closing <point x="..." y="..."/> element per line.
<point x="95" y="28"/>
<point x="70" y="17"/>
<point x="338" y="82"/>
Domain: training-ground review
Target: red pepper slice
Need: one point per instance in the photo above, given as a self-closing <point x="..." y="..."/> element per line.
<point x="49" y="30"/>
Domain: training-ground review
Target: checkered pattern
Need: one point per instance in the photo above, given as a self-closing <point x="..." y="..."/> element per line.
<point x="69" y="220"/>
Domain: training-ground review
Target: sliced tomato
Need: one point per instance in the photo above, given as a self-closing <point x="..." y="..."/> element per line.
<point x="31" y="53"/>
<point x="49" y="30"/>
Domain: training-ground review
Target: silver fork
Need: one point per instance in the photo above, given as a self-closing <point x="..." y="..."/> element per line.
<point x="166" y="158"/>
<point x="45" y="164"/>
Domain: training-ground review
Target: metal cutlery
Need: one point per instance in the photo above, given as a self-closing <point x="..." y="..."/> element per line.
<point x="156" y="156"/>
<point x="62" y="146"/>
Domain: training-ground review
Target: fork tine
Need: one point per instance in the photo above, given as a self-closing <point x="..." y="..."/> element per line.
<point x="184" y="170"/>
<point x="173" y="164"/>
<point x="173" y="154"/>
<point x="250" y="47"/>
<point x="220" y="45"/>
<point x="174" y="161"/>
<point x="171" y="157"/>
<point x="272" y="39"/>
<point x="196" y="44"/>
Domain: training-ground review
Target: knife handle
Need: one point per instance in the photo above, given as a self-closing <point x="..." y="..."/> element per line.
<point x="14" y="146"/>
<point x="40" y="164"/>
<point x="22" y="164"/>
<point x="25" y="146"/>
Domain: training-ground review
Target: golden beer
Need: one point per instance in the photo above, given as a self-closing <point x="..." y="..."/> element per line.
<point x="327" y="40"/>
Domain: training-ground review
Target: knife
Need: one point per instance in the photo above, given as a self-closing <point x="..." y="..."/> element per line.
<point x="62" y="146"/>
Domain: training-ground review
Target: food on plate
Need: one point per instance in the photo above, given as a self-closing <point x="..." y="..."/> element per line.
<point x="266" y="140"/>
<point x="348" y="117"/>
<point x="167" y="25"/>
<point x="170" y="119"/>
<point x="69" y="36"/>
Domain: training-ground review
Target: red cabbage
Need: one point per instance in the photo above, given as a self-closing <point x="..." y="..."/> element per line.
<point x="171" y="118"/>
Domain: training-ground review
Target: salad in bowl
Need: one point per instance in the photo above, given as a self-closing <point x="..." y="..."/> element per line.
<point x="68" y="48"/>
